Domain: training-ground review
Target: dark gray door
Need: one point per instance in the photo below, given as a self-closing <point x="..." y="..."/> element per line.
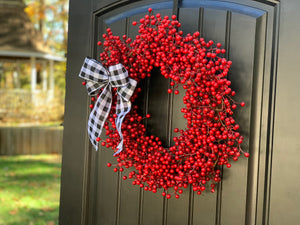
<point x="93" y="194"/>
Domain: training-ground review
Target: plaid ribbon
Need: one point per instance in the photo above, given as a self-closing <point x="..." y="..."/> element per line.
<point x="97" y="77"/>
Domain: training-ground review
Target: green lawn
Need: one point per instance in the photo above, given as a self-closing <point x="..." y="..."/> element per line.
<point x="29" y="189"/>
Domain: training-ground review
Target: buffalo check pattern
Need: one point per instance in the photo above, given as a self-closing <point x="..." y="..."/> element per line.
<point x="98" y="78"/>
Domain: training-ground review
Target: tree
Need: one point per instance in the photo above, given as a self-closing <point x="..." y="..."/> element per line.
<point x="51" y="19"/>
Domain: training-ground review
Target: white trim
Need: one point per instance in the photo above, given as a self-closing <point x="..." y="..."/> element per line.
<point x="32" y="54"/>
<point x="33" y="74"/>
<point x="51" y="79"/>
<point x="44" y="76"/>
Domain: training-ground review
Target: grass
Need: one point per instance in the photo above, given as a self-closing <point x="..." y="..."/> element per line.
<point x="29" y="189"/>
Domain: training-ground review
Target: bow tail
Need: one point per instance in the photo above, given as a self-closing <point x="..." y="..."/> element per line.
<point x="98" y="115"/>
<point x="123" y="107"/>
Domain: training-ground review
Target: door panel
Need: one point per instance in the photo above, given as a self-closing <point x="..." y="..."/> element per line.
<point x="241" y="75"/>
<point x="159" y="111"/>
<point x="215" y="25"/>
<point x="247" y="30"/>
<point x="234" y="27"/>
<point x="212" y="23"/>
<point x="107" y="181"/>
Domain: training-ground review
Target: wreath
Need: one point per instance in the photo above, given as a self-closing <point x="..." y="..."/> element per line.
<point x="210" y="139"/>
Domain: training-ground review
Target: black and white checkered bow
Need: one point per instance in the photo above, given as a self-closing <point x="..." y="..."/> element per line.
<point x="97" y="77"/>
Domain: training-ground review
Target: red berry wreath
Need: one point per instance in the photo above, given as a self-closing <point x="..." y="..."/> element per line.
<point x="210" y="138"/>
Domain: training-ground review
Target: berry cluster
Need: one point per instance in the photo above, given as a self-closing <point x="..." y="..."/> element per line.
<point x="210" y="139"/>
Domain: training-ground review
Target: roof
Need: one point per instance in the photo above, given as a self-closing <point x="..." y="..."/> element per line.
<point x="18" y="36"/>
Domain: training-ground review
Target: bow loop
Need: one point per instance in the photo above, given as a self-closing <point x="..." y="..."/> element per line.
<point x="127" y="90"/>
<point x="94" y="88"/>
<point x="97" y="77"/>
<point x="95" y="74"/>
<point x="92" y="70"/>
<point x="118" y="75"/>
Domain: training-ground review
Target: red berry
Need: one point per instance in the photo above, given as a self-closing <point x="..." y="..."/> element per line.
<point x="108" y="164"/>
<point x="242" y="104"/>
<point x="247" y="154"/>
<point x="196" y="34"/>
<point x="83" y="83"/>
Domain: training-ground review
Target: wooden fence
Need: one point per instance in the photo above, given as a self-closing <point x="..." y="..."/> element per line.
<point x="31" y="140"/>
